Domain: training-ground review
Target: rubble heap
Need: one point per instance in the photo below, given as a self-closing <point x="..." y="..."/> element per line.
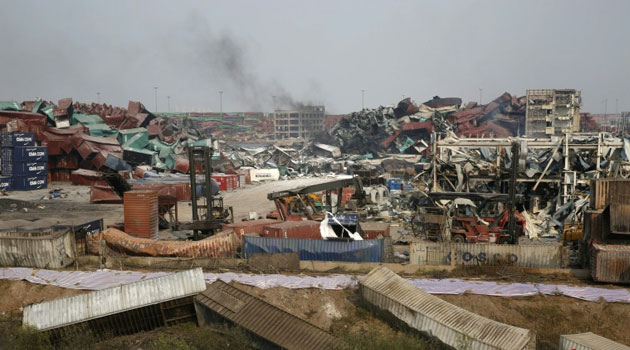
<point x="407" y="127"/>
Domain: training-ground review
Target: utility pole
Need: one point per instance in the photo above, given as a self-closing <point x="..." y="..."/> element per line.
<point x="221" y="103"/>
<point x="168" y="103"/>
<point x="155" y="88"/>
<point x="98" y="97"/>
<point x="362" y="99"/>
<point x="617" y="115"/>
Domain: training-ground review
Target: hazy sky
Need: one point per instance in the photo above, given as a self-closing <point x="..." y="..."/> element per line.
<point x="312" y="51"/>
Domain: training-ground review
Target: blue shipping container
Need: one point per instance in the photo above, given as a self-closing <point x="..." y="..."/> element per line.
<point x="21" y="183"/>
<point x="344" y="219"/>
<point x="34" y="154"/>
<point x="6" y="154"/>
<point x="24" y="169"/>
<point x="90" y="227"/>
<point x="316" y="249"/>
<point x="6" y="183"/>
<point x="14" y="139"/>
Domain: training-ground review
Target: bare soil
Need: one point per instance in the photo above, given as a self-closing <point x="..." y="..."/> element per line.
<point x="17" y="294"/>
<point x="551" y="316"/>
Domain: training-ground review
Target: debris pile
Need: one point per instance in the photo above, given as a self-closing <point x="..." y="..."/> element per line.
<point x="407" y="127"/>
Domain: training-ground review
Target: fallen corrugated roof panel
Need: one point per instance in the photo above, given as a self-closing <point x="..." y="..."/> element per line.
<point x="589" y="340"/>
<point x="261" y="318"/>
<point x="451" y="324"/>
<point x="80" y="308"/>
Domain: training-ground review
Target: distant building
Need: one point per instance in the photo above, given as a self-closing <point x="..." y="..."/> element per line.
<point x="552" y="112"/>
<point x="303" y="123"/>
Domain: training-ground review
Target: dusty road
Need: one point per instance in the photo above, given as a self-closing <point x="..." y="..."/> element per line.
<point x="74" y="204"/>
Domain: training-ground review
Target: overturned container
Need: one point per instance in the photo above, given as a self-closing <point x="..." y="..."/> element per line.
<point x="37" y="249"/>
<point x="589" y="341"/>
<point x="390" y="294"/>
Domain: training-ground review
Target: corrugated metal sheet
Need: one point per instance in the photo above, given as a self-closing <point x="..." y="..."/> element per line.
<point x="620" y="218"/>
<point x="451" y="324"/>
<point x="37" y="249"/>
<point x="432" y="253"/>
<point x="316" y="249"/>
<point x="141" y="213"/>
<point x="589" y="341"/>
<point x="610" y="263"/>
<point x="80" y="308"/>
<point x="221" y="245"/>
<point x="607" y="191"/>
<point x="293" y="229"/>
<point x="263" y="319"/>
<point x="253" y="226"/>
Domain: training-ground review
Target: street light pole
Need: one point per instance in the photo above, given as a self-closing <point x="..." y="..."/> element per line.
<point x="221" y="103"/>
<point x="98" y="97"/>
<point x="155" y="88"/>
<point x="362" y="99"/>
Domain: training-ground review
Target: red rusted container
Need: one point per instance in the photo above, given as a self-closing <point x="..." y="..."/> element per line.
<point x="371" y="230"/>
<point x="293" y="229"/>
<point x="253" y="226"/>
<point x="141" y="213"/>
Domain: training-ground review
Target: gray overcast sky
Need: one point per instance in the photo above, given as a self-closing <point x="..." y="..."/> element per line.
<point x="315" y="51"/>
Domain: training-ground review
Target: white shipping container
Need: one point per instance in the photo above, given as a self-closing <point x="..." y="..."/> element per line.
<point x="589" y="341"/>
<point x="257" y="175"/>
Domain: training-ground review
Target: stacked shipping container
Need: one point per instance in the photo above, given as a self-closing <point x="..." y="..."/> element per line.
<point x="24" y="166"/>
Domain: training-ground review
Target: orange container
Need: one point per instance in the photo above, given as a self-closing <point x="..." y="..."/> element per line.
<point x="141" y="213"/>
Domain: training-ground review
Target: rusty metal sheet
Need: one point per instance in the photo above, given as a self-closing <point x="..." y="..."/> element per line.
<point x="610" y="263"/>
<point x="86" y="177"/>
<point x="261" y="318"/>
<point x="141" y="213"/>
<point x="182" y="165"/>
<point x="253" y="226"/>
<point x="620" y="218"/>
<point x="293" y="229"/>
<point x="607" y="191"/>
<point x="221" y="245"/>
<point x="428" y="126"/>
<point x="104" y="194"/>
<point x="373" y="229"/>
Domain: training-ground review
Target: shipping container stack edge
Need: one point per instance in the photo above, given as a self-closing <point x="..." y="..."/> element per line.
<point x="23" y="164"/>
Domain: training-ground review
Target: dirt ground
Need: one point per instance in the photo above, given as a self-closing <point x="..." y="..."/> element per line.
<point x="74" y="205"/>
<point x="17" y="294"/>
<point x="551" y="316"/>
<point x="75" y="208"/>
<point x="340" y="311"/>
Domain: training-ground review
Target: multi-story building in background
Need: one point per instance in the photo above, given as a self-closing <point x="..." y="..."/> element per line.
<point x="552" y="112"/>
<point x="302" y="123"/>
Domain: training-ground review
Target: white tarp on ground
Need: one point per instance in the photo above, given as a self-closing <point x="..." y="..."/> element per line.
<point x="96" y="280"/>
